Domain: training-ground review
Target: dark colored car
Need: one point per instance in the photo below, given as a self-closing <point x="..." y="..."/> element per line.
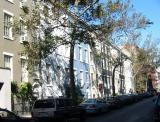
<point x="9" y="116"/>
<point x="157" y="108"/>
<point x="114" y="103"/>
<point x="59" y="109"/>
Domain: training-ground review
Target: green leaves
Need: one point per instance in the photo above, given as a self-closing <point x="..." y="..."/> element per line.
<point x="99" y="11"/>
<point x="14" y="87"/>
<point x="22" y="91"/>
<point x="25" y="91"/>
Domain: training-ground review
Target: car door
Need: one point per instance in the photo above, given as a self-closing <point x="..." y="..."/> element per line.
<point x="60" y="108"/>
<point x="102" y="106"/>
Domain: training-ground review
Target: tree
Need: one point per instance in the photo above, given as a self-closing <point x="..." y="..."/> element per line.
<point x="26" y="94"/>
<point x="119" y="25"/>
<point x="144" y="56"/>
<point x="83" y="19"/>
<point x="116" y="21"/>
<point x="79" y="34"/>
<point x="14" y="92"/>
<point x="44" y="39"/>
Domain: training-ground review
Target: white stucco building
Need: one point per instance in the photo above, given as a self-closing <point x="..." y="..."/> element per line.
<point x="5" y="91"/>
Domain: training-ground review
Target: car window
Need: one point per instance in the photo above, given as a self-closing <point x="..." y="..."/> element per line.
<point x="100" y="101"/>
<point x="44" y="104"/>
<point x="90" y="101"/>
<point x="68" y="102"/>
<point x="59" y="102"/>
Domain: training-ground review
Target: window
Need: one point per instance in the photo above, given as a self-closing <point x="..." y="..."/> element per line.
<point x="7" y="25"/>
<point x="75" y="54"/>
<point x="48" y="72"/>
<point x="92" y="77"/>
<point x="7" y="61"/>
<point x="91" y="56"/>
<point x="36" y="66"/>
<point x="22" y="27"/>
<point x="87" y="79"/>
<point x="23" y="33"/>
<point x="60" y="103"/>
<point x="22" y="3"/>
<point x="85" y="56"/>
<point x="80" y="53"/>
<point x="44" y="104"/>
<point x="24" y="72"/>
<point x="81" y="78"/>
<point x="75" y="76"/>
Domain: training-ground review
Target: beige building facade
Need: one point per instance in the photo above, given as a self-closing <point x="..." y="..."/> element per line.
<point x="11" y="44"/>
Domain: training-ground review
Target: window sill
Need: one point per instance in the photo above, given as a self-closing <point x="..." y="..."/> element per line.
<point x="8" y="38"/>
<point x="49" y="85"/>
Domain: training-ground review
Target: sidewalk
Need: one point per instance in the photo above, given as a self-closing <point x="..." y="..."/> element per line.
<point x="27" y="115"/>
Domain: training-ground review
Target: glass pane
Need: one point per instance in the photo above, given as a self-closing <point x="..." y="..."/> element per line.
<point x="44" y="104"/>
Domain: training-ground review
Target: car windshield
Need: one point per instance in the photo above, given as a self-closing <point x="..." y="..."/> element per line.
<point x="44" y="104"/>
<point x="90" y="101"/>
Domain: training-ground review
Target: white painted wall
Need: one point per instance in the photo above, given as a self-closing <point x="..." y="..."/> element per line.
<point x="5" y="92"/>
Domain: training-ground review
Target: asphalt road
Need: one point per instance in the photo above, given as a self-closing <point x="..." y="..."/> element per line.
<point x="138" y="112"/>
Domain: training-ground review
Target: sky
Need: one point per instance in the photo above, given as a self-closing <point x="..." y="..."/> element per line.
<point x="151" y="10"/>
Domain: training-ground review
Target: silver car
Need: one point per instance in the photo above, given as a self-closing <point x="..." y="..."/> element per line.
<point x="95" y="106"/>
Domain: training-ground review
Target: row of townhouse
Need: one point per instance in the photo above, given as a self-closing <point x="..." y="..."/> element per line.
<point x="93" y="76"/>
<point x="10" y="48"/>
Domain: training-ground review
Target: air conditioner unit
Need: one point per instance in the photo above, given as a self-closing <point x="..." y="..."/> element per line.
<point x="35" y="75"/>
<point x="24" y="39"/>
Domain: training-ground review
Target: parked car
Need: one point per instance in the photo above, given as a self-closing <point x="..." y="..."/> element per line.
<point x="157" y="108"/>
<point x="114" y="103"/>
<point x="9" y="116"/>
<point x="57" y="109"/>
<point x="95" y="106"/>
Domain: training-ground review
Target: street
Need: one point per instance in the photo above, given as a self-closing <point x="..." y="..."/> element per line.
<point x="138" y="112"/>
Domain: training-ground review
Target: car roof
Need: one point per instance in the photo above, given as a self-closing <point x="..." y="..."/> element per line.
<point x="55" y="98"/>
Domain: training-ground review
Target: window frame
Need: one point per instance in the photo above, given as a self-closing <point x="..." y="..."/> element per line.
<point x="80" y="54"/>
<point x="10" y="29"/>
<point x="24" y="71"/>
<point x="11" y="62"/>
<point x="81" y="79"/>
<point x="86" y="56"/>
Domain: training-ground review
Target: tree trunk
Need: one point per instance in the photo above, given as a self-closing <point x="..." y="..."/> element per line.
<point x="12" y="101"/>
<point x="40" y="74"/>
<point x="73" y="92"/>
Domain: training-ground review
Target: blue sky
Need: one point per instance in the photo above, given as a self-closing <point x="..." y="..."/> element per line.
<point x="150" y="9"/>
